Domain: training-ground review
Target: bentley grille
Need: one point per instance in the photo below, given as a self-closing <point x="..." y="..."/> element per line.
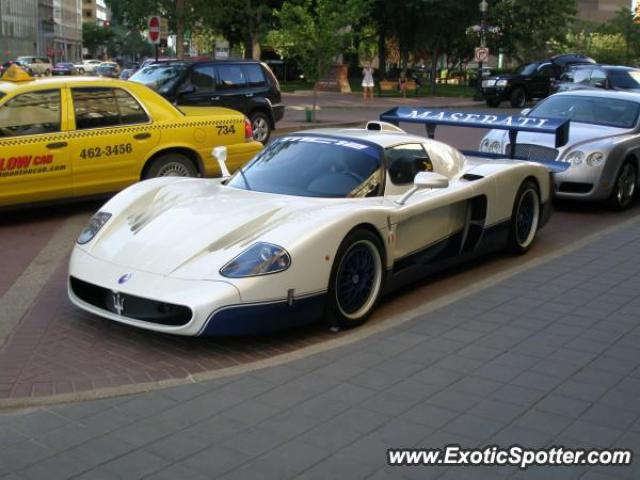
<point x="534" y="152"/>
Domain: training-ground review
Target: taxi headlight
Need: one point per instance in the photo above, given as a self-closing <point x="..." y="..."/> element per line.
<point x="93" y="227"/>
<point x="484" y="145"/>
<point x="502" y="83"/>
<point x="259" y="259"/>
<point x="575" y="158"/>
<point x="594" y="159"/>
<point x="495" y="147"/>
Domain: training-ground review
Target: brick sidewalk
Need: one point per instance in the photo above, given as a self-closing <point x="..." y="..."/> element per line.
<point x="549" y="357"/>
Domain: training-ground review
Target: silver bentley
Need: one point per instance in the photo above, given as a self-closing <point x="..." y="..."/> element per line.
<point x="603" y="148"/>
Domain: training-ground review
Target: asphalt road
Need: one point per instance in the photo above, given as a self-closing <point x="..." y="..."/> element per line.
<point x="72" y="342"/>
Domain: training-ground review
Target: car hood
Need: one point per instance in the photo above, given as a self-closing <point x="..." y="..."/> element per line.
<point x="503" y="76"/>
<point x="167" y="229"/>
<point x="579" y="133"/>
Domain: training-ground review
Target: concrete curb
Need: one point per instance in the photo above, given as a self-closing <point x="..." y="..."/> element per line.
<point x="346" y="338"/>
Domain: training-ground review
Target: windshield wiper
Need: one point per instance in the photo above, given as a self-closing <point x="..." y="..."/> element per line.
<point x="244" y="177"/>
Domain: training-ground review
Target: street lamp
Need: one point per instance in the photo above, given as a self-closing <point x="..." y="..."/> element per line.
<point x="484" y="6"/>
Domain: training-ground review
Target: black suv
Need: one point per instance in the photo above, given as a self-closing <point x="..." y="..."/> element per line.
<point x="248" y="86"/>
<point x="608" y="77"/>
<point x="532" y="80"/>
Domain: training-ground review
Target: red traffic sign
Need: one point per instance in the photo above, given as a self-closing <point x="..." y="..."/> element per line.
<point x="482" y="54"/>
<point x="154" y="29"/>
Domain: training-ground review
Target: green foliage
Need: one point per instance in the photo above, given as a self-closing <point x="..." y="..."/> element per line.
<point x="316" y="32"/>
<point x="529" y="27"/>
<point x="95" y="38"/>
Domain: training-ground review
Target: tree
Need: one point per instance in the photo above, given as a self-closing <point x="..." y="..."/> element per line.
<point x="623" y="26"/>
<point x="95" y="38"/>
<point x="316" y="32"/>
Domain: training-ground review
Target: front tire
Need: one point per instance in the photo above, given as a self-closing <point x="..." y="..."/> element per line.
<point x="624" y="189"/>
<point x="525" y="218"/>
<point x="356" y="279"/>
<point x="261" y="127"/>
<point x="171" y="165"/>
<point x="493" y="103"/>
<point x="518" y="98"/>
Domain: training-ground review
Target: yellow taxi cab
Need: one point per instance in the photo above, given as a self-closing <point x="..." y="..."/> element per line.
<point x="75" y="137"/>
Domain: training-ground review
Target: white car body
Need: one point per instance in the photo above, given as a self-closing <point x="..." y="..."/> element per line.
<point x="168" y="239"/>
<point x="87" y="66"/>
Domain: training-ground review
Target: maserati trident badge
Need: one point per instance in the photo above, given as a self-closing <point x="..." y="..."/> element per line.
<point x="118" y="302"/>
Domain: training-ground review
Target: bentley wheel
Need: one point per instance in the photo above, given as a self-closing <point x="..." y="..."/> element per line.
<point x="624" y="188"/>
<point x="171" y="165"/>
<point x="356" y="279"/>
<point x="518" y="98"/>
<point x="261" y="127"/>
<point x="525" y="218"/>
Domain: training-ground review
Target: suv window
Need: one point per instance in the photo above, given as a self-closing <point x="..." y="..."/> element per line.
<point x="31" y="113"/>
<point x="545" y="70"/>
<point x="203" y="78"/>
<point x="404" y="162"/>
<point x="254" y="75"/>
<point x="230" y="77"/>
<point x="105" y="107"/>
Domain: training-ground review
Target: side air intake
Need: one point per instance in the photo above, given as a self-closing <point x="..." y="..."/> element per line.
<point x="376" y="126"/>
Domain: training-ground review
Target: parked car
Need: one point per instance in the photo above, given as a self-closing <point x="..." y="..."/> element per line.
<point x="248" y="86"/>
<point x="87" y="66"/>
<point x="36" y="65"/>
<point x="64" y="68"/>
<point x="72" y="137"/>
<point x="108" y="69"/>
<point x="6" y="65"/>
<point x="319" y="225"/>
<point x="532" y="80"/>
<point x="608" y="77"/>
<point x="603" y="148"/>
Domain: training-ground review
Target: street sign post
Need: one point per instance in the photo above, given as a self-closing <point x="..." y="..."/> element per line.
<point x="481" y="54"/>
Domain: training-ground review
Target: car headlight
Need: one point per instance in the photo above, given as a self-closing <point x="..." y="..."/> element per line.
<point x="488" y="83"/>
<point x="93" y="227"/>
<point x="594" y="159"/>
<point x="259" y="259"/>
<point x="575" y="158"/>
<point x="484" y="145"/>
<point x="495" y="147"/>
<point x="502" y="83"/>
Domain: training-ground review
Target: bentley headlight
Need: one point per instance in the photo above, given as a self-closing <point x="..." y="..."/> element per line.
<point x="496" y="147"/>
<point x="502" y="83"/>
<point x="259" y="259"/>
<point x="594" y="159"/>
<point x="575" y="158"/>
<point x="484" y="145"/>
<point x="93" y="227"/>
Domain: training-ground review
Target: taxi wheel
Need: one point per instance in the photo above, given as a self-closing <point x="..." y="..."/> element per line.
<point x="261" y="127"/>
<point x="171" y="165"/>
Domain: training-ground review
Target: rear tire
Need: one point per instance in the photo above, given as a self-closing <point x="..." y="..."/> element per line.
<point x="518" y="98"/>
<point x="525" y="218"/>
<point x="356" y="280"/>
<point x="261" y="127"/>
<point x="171" y="165"/>
<point x="625" y="186"/>
<point x="81" y="71"/>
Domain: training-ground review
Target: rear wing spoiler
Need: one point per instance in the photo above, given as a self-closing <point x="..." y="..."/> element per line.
<point x="558" y="127"/>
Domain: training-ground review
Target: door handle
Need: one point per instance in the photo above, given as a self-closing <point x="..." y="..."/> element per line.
<point x="248" y="95"/>
<point x="55" y="145"/>
<point x="215" y="98"/>
<point x="142" y="136"/>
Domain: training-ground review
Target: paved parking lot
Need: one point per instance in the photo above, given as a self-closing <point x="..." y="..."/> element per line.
<point x="550" y="356"/>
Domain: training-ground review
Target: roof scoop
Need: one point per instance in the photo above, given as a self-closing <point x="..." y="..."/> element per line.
<point x="377" y="126"/>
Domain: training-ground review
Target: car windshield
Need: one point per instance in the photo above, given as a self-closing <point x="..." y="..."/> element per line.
<point x="626" y="79"/>
<point x="526" y="69"/>
<point x="607" y="111"/>
<point x="314" y="166"/>
<point x="2" y="94"/>
<point x="162" y="77"/>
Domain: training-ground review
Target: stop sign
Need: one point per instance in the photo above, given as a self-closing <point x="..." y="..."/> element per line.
<point x="154" y="29"/>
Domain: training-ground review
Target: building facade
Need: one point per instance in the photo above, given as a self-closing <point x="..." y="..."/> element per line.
<point x="50" y="28"/>
<point x="95" y="11"/>
<point x="600" y="11"/>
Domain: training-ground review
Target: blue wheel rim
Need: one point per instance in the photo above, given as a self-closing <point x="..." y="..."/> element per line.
<point x="356" y="279"/>
<point x="525" y="217"/>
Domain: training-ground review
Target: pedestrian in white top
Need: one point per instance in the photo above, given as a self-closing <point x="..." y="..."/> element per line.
<point x="367" y="82"/>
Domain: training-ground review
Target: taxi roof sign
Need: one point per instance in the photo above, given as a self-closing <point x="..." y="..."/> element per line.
<point x="16" y="74"/>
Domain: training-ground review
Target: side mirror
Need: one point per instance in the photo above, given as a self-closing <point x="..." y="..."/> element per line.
<point x="600" y="84"/>
<point x="220" y="154"/>
<point x="422" y="181"/>
<point x="525" y="111"/>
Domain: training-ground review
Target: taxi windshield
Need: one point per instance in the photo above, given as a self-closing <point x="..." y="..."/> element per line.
<point x="314" y="166"/>
<point x="160" y="77"/>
